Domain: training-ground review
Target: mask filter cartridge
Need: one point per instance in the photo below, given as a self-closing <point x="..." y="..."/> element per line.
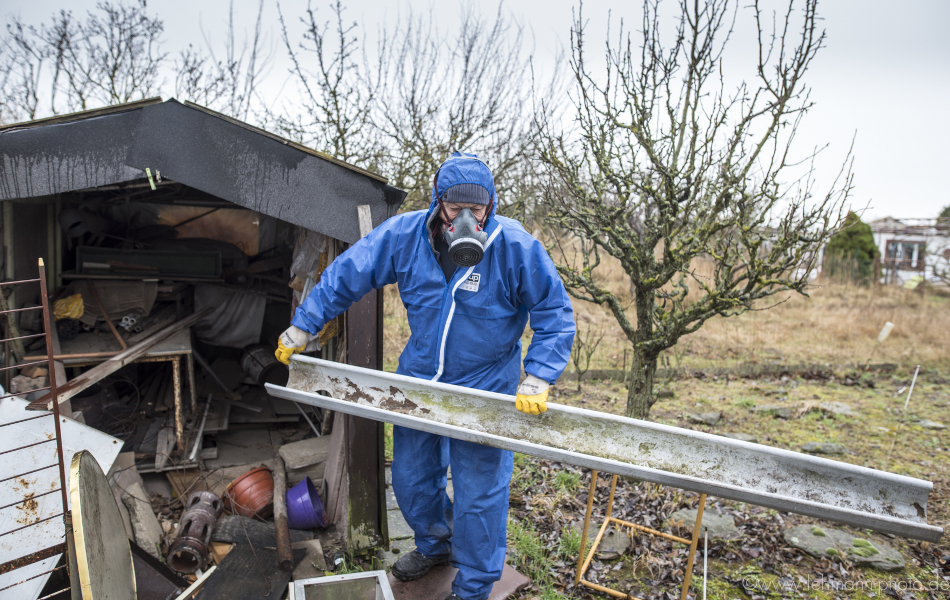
<point x="466" y="239"/>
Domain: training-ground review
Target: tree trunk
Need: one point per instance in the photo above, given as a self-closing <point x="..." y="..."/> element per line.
<point x="640" y="391"/>
<point x="643" y="364"/>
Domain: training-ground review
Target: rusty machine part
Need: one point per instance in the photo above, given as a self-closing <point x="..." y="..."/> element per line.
<point x="189" y="551"/>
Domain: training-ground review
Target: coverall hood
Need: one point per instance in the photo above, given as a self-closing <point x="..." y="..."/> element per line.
<point x="463" y="168"/>
<point x="460" y="169"/>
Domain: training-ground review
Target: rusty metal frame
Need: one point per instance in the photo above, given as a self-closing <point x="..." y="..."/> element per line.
<point x="583" y="563"/>
<point x="38" y="554"/>
<point x="175" y="359"/>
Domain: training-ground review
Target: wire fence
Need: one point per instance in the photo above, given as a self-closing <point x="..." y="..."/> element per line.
<point x="28" y="516"/>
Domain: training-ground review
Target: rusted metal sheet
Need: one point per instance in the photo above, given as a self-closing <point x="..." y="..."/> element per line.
<point x="691" y="460"/>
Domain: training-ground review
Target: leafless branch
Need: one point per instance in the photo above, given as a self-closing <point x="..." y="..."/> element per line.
<point x="665" y="167"/>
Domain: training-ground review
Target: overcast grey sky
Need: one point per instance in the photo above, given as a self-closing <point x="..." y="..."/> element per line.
<point x="884" y="76"/>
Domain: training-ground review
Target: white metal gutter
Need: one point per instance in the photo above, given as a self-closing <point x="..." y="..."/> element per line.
<point x="682" y="458"/>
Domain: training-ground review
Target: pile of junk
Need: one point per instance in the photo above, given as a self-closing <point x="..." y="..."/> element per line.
<point x="166" y="320"/>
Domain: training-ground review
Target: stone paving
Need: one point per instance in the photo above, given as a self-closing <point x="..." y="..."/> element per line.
<point x="438" y="584"/>
<point x="399" y="531"/>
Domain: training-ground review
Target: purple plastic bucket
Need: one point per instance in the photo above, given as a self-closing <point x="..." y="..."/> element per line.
<point x="304" y="509"/>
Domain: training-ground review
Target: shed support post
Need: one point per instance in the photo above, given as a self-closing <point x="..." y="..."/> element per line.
<point x="366" y="525"/>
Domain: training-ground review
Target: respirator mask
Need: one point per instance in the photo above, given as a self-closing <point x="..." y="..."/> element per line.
<point x="466" y="239"/>
<point x="469" y="183"/>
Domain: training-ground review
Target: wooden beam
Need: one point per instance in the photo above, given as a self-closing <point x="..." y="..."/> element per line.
<point x="105" y="315"/>
<point x="115" y="363"/>
<point x="366" y="525"/>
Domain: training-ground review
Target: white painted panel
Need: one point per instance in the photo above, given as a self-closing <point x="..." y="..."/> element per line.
<point x="76" y="437"/>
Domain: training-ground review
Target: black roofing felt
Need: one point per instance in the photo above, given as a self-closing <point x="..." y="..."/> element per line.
<point x="199" y="149"/>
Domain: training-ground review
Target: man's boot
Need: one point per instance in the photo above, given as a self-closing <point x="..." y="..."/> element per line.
<point x="414" y="565"/>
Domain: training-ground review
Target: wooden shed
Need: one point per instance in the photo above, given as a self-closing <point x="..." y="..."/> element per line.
<point x="195" y="207"/>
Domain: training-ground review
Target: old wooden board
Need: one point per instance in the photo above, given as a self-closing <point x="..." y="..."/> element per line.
<point x="103" y="556"/>
<point x="366" y="522"/>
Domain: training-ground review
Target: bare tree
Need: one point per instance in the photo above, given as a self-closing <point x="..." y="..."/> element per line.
<point x="111" y="57"/>
<point x="665" y="166"/>
<point x="30" y="60"/>
<point x="585" y="344"/>
<point x="404" y="107"/>
<point x="468" y="90"/>
<point x="228" y="82"/>
<point x="337" y="100"/>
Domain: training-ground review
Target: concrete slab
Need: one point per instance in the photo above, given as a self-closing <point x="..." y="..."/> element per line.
<point x="396" y="549"/>
<point x="313" y="563"/>
<point x="612" y="545"/>
<point x="824" y="542"/>
<point x="721" y="527"/>
<point x="304" y="453"/>
<point x="398" y="528"/>
<point x="314" y="472"/>
<point x="123" y="474"/>
<point x="145" y="527"/>
<point x="437" y="584"/>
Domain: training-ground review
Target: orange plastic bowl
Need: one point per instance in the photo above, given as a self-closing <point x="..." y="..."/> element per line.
<point x="252" y="494"/>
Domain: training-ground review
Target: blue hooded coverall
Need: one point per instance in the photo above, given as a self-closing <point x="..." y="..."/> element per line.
<point x="465" y="332"/>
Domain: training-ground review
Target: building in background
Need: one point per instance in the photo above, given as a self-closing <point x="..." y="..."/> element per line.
<point x="910" y="248"/>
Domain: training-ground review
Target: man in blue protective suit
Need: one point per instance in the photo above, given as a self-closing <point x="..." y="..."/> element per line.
<point x="469" y="279"/>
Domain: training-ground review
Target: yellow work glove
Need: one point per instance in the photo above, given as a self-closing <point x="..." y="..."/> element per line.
<point x="292" y="341"/>
<point x="532" y="396"/>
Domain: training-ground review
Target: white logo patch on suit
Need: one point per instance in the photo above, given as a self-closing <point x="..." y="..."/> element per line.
<point x="471" y="284"/>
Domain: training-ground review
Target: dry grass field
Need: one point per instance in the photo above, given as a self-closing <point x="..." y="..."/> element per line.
<point x="836" y="324"/>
